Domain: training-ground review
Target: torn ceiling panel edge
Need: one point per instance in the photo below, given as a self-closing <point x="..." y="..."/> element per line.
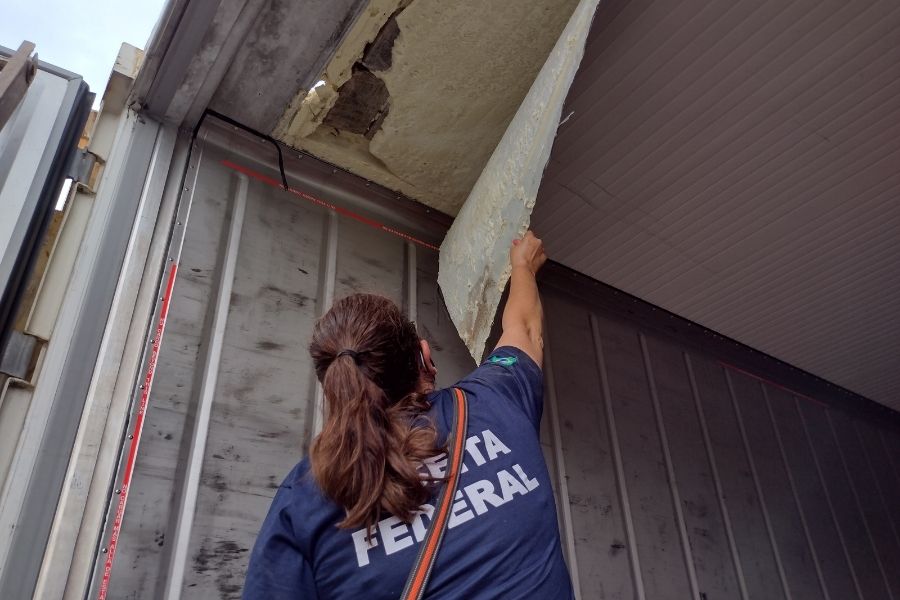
<point x="308" y="108"/>
<point x="474" y="262"/>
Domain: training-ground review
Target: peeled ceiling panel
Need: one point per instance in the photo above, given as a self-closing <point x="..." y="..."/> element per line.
<point x="448" y="78"/>
<point x="474" y="264"/>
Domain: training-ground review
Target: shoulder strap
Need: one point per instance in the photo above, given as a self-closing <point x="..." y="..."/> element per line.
<point x="421" y="571"/>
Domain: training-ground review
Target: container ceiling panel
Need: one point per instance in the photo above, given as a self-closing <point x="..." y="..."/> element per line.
<point x="739" y="164"/>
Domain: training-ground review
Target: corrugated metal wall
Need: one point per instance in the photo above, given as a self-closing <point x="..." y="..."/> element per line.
<point x="291" y="255"/>
<point x="682" y="477"/>
<point x="690" y="478"/>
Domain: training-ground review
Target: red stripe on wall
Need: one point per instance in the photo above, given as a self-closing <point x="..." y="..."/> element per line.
<point x="338" y="209"/>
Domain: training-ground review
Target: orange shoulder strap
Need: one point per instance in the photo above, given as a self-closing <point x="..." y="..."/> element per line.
<point x="421" y="571"/>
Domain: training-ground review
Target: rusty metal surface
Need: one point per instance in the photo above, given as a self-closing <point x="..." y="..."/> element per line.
<point x="16" y="74"/>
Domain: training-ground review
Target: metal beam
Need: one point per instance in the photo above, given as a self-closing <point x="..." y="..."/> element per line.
<point x="16" y="74"/>
<point x="329" y="277"/>
<point x="36" y="479"/>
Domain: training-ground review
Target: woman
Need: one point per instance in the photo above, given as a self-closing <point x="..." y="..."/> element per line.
<point x="348" y="520"/>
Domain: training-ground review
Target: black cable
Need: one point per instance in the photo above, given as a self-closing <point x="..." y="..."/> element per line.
<point x="268" y="138"/>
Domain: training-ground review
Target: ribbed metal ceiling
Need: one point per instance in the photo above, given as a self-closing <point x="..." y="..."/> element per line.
<point x="738" y="163"/>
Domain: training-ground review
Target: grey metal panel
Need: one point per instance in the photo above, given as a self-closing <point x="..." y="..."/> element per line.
<point x="717" y="480"/>
<point x="735" y="163"/>
<point x="368" y="261"/>
<point x="662" y="430"/>
<point x="547" y="448"/>
<point x="875" y="513"/>
<point x="260" y="411"/>
<point x="829" y="547"/>
<point x="561" y="485"/>
<point x="36" y="146"/>
<point x="600" y="541"/>
<point x="49" y="467"/>
<point x="705" y="526"/>
<point x="27" y="144"/>
<point x="615" y="446"/>
<point x="607" y="431"/>
<point x="247" y="57"/>
<point x="447" y="350"/>
<point x="888" y="484"/>
<point x="256" y="413"/>
<point x="140" y="560"/>
<point x="847" y="513"/>
<point x="775" y="503"/>
<point x="289" y="45"/>
<point x="663" y="568"/>
<point x="15" y="359"/>
<point x="798" y="562"/>
<point x="754" y="548"/>
<point x="892" y="446"/>
<point x="320" y="179"/>
<point x="260" y="417"/>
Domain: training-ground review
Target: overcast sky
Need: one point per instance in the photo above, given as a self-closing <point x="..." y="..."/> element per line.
<point x="78" y="35"/>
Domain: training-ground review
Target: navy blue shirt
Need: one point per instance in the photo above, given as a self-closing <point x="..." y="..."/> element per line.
<point x="502" y="539"/>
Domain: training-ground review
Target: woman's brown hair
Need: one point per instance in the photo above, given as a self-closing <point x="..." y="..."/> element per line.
<point x="375" y="435"/>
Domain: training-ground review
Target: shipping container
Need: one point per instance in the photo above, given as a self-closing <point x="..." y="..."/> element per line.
<point x="175" y="391"/>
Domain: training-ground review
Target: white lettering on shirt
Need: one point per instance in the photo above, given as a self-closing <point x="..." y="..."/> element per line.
<point x="437" y="465"/>
<point x="394" y="534"/>
<point x="460" y="512"/>
<point x="493" y="445"/>
<point x="418" y="525"/>
<point x="362" y="543"/>
<point x="481" y="493"/>
<point x="529" y="483"/>
<point x="472" y="500"/>
<point x="474" y="452"/>
<point x="509" y="485"/>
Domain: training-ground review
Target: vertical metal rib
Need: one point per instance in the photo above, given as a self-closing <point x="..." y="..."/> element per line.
<point x="717" y="481"/>
<point x="329" y="277"/>
<point x="562" y="483"/>
<point x="862" y="515"/>
<point x="188" y="502"/>
<point x="113" y="519"/>
<point x="762" y="500"/>
<point x="670" y="471"/>
<point x="412" y="281"/>
<point x="793" y="485"/>
<point x="892" y="519"/>
<point x="893" y="463"/>
<point x="634" y="559"/>
<point x="828" y="500"/>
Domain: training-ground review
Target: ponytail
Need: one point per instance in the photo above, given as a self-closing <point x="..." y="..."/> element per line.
<point x="375" y="433"/>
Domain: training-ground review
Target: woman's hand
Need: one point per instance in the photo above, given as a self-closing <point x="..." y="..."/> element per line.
<point x="528" y="252"/>
<point x="522" y="315"/>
